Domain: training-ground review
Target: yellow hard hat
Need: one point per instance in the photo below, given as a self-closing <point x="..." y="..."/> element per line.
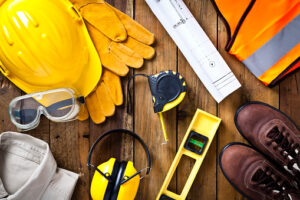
<point x="45" y="45"/>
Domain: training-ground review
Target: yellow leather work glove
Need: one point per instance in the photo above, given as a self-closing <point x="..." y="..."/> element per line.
<point x="120" y="41"/>
<point x="102" y="101"/>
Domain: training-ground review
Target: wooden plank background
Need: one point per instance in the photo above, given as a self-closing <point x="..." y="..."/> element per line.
<point x="70" y="142"/>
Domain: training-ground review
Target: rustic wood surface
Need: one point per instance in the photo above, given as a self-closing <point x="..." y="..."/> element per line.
<point x="70" y="142"/>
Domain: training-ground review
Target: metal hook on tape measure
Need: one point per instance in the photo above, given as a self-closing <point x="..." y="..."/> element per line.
<point x="129" y="102"/>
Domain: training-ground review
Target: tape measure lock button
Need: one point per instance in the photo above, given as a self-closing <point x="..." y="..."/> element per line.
<point x="196" y="142"/>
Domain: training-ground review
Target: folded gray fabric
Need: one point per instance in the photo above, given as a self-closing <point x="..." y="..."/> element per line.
<point x="28" y="170"/>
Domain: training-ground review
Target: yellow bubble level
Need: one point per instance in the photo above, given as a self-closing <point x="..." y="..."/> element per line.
<point x="195" y="145"/>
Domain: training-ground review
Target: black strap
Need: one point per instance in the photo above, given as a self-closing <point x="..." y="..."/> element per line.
<point x="129" y="102"/>
<point x="119" y="131"/>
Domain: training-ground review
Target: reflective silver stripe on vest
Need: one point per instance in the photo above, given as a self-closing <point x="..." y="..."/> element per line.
<point x="271" y="52"/>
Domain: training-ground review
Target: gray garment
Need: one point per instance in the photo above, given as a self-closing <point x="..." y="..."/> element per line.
<point x="28" y="170"/>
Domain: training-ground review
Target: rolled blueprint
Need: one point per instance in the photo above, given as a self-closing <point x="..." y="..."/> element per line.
<point x="195" y="45"/>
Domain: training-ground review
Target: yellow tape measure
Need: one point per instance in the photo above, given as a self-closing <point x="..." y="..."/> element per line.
<point x="195" y="145"/>
<point x="168" y="89"/>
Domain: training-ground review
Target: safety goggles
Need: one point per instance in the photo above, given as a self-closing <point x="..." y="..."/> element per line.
<point x="59" y="105"/>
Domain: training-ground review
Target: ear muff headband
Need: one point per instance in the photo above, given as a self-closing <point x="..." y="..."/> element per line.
<point x="119" y="131"/>
<point x="110" y="185"/>
<point x="119" y="180"/>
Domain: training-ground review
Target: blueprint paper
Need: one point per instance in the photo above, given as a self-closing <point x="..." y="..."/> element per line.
<point x="195" y="45"/>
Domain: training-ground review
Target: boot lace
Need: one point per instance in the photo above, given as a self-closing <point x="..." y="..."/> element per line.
<point x="271" y="184"/>
<point x="287" y="147"/>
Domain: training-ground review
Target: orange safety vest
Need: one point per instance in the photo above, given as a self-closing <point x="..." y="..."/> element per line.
<point x="264" y="35"/>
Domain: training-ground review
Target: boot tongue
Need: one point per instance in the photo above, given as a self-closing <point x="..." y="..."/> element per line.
<point x="273" y="132"/>
<point x="277" y="136"/>
<point x="284" y="191"/>
<point x="262" y="178"/>
<point x="259" y="175"/>
<point x="294" y="195"/>
<point x="298" y="162"/>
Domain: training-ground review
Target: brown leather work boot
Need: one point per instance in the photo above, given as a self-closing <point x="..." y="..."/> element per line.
<point x="254" y="176"/>
<point x="272" y="133"/>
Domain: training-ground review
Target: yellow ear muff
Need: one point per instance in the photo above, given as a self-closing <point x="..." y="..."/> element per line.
<point x="115" y="180"/>
<point x="129" y="189"/>
<point x="99" y="183"/>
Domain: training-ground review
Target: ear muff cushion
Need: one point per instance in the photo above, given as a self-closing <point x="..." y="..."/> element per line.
<point x="110" y="186"/>
<point x="119" y="177"/>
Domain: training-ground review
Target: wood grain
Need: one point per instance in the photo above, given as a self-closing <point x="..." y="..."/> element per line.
<point x="204" y="186"/>
<point x="147" y="123"/>
<point x="114" y="146"/>
<point x="7" y="92"/>
<point x="290" y="96"/>
<point x="252" y="90"/>
<point x="70" y="142"/>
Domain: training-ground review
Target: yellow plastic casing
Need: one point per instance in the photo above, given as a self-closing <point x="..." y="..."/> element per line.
<point x="205" y="124"/>
<point x="129" y="189"/>
<point x="99" y="182"/>
<point x="167" y="107"/>
<point x="178" y="100"/>
<point x="46" y="46"/>
<point x="174" y="103"/>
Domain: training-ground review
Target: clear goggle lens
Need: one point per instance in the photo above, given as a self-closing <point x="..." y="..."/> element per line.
<point x="57" y="105"/>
